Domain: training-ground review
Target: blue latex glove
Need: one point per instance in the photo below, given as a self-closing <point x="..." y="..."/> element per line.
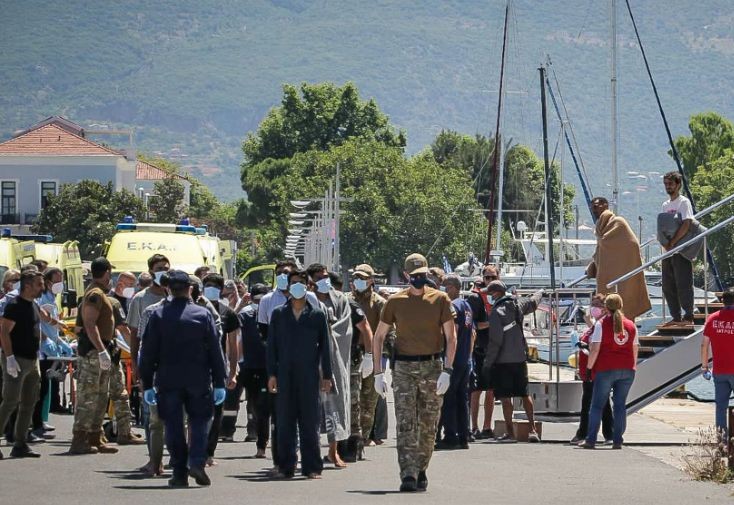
<point x="149" y="397"/>
<point x="219" y="395"/>
<point x="48" y="347"/>
<point x="65" y="348"/>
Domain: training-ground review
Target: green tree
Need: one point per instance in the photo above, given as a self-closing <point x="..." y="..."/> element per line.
<point x="88" y="212"/>
<point x="714" y="181"/>
<point x="312" y="117"/>
<point x="711" y="135"/>
<point x="167" y="203"/>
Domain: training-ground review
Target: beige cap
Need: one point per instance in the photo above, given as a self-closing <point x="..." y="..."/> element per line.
<point x="416" y="264"/>
<point x="364" y="270"/>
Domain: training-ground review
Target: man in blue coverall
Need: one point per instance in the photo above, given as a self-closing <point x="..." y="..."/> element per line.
<point x="298" y="342"/>
<point x="181" y="349"/>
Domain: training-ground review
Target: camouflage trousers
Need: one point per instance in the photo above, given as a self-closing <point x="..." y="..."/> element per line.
<point x="120" y="399"/>
<point x="363" y="399"/>
<point x="92" y="393"/>
<point x="417" y="410"/>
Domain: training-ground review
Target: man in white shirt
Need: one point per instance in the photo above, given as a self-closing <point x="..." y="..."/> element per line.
<point x="677" y="270"/>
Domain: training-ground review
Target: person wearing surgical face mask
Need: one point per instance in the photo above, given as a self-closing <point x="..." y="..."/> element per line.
<point x="337" y="406"/>
<point x="158" y="265"/>
<point x="11" y="281"/>
<point x="595" y="313"/>
<point x="299" y="369"/>
<point x="124" y="289"/>
<point x="363" y="292"/>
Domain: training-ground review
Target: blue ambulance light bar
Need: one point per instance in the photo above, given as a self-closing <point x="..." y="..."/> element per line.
<point x="201" y="230"/>
<point x="156" y="227"/>
<point x="43" y="239"/>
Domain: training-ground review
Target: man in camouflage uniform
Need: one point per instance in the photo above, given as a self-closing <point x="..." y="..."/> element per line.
<point x="95" y="340"/>
<point x="371" y="304"/>
<point x="423" y="318"/>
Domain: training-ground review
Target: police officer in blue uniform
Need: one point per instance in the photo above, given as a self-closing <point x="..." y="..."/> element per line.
<point x="181" y="350"/>
<point x="298" y="342"/>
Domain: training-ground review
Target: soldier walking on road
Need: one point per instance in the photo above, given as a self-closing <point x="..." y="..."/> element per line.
<point x="422" y="317"/>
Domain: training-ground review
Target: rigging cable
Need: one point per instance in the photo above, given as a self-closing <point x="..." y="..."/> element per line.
<point x="674" y="150"/>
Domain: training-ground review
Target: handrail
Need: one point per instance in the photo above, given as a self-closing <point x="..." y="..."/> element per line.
<point x="671" y="252"/>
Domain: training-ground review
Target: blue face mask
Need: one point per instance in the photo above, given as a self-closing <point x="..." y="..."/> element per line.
<point x="324" y="285"/>
<point x="211" y="293"/>
<point x="419" y="282"/>
<point x="298" y="290"/>
<point x="281" y="282"/>
<point x="360" y="285"/>
<point x="442" y="288"/>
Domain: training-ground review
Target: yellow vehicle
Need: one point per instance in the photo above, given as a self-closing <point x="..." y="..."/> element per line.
<point x="229" y="257"/>
<point x="185" y="246"/>
<point x="14" y="252"/>
<point x="261" y="273"/>
<point x="66" y="258"/>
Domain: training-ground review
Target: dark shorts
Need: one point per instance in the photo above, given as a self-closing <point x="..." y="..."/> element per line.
<point x="509" y="380"/>
<point x="477" y="381"/>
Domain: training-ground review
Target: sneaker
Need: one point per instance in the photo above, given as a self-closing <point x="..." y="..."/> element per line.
<point x="40" y="433"/>
<point x="616" y="446"/>
<point x="48" y="427"/>
<point x="34" y="439"/>
<point x="422" y="483"/>
<point x="533" y="437"/>
<point x="408" y="485"/>
<point x="506" y="439"/>
<point x="586" y="445"/>
<point x="576" y="439"/>
<point x="485" y="434"/>
<point x="23" y="452"/>
<point x="464" y="444"/>
<point x="200" y="476"/>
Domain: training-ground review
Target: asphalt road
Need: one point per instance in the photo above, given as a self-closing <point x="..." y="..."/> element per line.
<point x="486" y="473"/>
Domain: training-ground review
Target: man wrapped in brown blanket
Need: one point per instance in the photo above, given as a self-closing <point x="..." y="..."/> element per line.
<point x="617" y="252"/>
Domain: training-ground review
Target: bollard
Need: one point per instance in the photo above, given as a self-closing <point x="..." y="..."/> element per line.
<point x="729" y="444"/>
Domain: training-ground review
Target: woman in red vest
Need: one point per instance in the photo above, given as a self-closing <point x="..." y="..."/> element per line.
<point x="595" y="313"/>
<point x="612" y="360"/>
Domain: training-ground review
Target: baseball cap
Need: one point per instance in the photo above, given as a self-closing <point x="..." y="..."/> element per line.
<point x="100" y="266"/>
<point x="178" y="279"/>
<point x="496" y="286"/>
<point x="195" y="281"/>
<point x="364" y="270"/>
<point x="416" y="264"/>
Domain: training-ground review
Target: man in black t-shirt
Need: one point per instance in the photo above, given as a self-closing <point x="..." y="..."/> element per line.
<point x="477" y="383"/>
<point x="20" y="334"/>
<point x="230" y="337"/>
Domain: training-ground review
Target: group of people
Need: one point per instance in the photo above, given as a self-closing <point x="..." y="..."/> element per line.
<point x="312" y="358"/>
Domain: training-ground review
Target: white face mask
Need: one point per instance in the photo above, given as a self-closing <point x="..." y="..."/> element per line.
<point x="128" y="293"/>
<point x="281" y="282"/>
<point x="157" y="277"/>
<point x="361" y="285"/>
<point x="16" y="286"/>
<point x="57" y="288"/>
<point x="212" y="292"/>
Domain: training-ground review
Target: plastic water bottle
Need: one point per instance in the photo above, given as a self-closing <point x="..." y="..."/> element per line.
<point x="707" y="375"/>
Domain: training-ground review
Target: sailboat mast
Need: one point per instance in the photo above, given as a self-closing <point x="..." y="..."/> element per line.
<point x="615" y="109"/>
<point x="495" y="153"/>
<point x="548" y="182"/>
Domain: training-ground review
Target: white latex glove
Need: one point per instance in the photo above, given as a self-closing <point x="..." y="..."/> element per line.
<point x="105" y="362"/>
<point x="442" y="384"/>
<point x="366" y="366"/>
<point x="12" y="367"/>
<point x="381" y="385"/>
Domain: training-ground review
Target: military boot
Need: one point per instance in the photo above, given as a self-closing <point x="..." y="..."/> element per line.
<point x="129" y="438"/>
<point x="80" y="444"/>
<point x="96" y="440"/>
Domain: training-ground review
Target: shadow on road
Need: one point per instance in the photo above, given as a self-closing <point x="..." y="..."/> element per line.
<point x="374" y="492"/>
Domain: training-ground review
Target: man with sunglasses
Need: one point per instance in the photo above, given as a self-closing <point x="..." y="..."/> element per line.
<point x="424" y="323"/>
<point x="479" y="303"/>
